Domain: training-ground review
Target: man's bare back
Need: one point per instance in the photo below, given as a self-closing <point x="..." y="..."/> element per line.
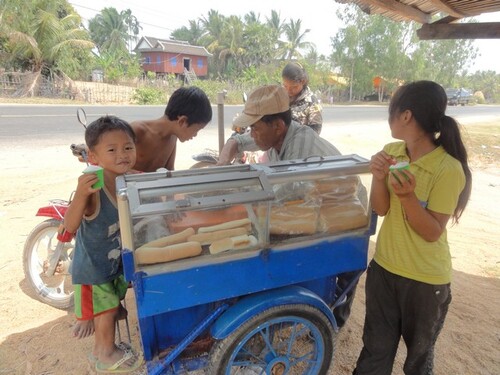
<point x="156" y="145"/>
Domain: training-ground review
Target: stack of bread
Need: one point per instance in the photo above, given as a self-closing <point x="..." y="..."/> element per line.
<point x="232" y="235"/>
<point x="341" y="208"/>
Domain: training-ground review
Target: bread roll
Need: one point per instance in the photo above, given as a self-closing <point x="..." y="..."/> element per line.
<point x="208" y="238"/>
<point x="151" y="255"/>
<point x="170" y="240"/>
<point x="232" y="243"/>
<point x="246" y="223"/>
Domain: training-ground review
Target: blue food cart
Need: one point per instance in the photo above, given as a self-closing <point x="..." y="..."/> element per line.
<point x="234" y="269"/>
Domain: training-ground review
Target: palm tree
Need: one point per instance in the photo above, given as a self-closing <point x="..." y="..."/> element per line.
<point x="133" y="28"/>
<point x="192" y="35"/>
<point x="275" y="23"/>
<point x="213" y="26"/>
<point x="232" y="46"/>
<point x="109" y="30"/>
<point x="46" y="38"/>
<point x="294" y="40"/>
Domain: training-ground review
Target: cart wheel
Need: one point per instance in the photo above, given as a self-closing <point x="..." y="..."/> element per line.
<point x="289" y="339"/>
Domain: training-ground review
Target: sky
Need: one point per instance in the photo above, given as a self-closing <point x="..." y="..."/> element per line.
<point x="160" y="18"/>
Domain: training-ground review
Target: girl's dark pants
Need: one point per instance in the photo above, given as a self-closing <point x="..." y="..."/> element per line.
<point x="400" y="307"/>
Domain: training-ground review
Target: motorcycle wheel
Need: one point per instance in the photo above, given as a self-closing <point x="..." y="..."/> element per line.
<point x="55" y="290"/>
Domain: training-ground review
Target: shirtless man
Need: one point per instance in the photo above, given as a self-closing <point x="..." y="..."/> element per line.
<point x="187" y="112"/>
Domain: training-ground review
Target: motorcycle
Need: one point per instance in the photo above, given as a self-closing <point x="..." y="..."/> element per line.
<point x="47" y="256"/>
<point x="48" y="250"/>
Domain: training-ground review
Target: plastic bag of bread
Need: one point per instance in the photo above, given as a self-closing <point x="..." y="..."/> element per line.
<point x="339" y="216"/>
<point x="295" y="191"/>
<point x="338" y="188"/>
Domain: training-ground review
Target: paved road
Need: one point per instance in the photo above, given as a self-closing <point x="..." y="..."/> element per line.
<point x="53" y="124"/>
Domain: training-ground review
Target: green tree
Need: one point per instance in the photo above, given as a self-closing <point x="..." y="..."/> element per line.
<point x="295" y="40"/>
<point x="213" y="25"/>
<point x="110" y="30"/>
<point x="231" y="44"/>
<point x="276" y="24"/>
<point x="259" y="45"/>
<point x="45" y="37"/>
<point x="192" y="35"/>
<point x="133" y="28"/>
<point x="373" y="46"/>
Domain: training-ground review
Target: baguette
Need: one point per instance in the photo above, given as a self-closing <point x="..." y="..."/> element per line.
<point x="208" y="238"/>
<point x="232" y="243"/>
<point x="170" y="240"/>
<point x="151" y="255"/>
<point x="246" y="223"/>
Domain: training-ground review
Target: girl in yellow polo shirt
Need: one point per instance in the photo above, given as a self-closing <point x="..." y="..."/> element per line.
<point x="408" y="280"/>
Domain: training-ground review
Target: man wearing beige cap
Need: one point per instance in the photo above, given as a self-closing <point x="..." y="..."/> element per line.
<point x="267" y="114"/>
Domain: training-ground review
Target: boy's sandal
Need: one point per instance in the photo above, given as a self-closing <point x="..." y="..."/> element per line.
<point x="119" y="367"/>
<point x="122" y="345"/>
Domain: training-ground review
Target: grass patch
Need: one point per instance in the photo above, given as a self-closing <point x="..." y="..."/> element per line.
<point x="39" y="100"/>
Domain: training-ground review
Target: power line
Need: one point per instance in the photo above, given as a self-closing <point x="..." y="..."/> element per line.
<point x="140" y="22"/>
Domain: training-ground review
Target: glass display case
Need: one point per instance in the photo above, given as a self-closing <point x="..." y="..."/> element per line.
<point x="169" y="219"/>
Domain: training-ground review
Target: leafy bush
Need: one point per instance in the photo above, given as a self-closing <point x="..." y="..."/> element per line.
<point x="149" y="95"/>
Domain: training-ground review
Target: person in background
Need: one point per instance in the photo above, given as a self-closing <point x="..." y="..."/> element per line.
<point x="305" y="107"/>
<point x="97" y="272"/>
<point x="305" y="110"/>
<point x="187" y="112"/>
<point x="408" y="280"/>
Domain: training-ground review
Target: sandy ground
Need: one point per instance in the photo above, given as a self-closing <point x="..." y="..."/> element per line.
<point x="36" y="338"/>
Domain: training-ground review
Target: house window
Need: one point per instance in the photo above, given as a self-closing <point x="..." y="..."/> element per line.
<point x="200" y="63"/>
<point x="147" y="60"/>
<point x="158" y="60"/>
<point x="174" y="61"/>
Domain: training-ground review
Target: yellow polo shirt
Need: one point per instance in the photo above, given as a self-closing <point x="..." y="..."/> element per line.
<point x="400" y="250"/>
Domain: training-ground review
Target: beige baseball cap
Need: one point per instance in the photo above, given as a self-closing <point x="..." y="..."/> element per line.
<point x="264" y="100"/>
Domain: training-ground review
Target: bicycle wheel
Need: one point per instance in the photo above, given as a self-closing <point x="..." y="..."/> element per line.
<point x="289" y="339"/>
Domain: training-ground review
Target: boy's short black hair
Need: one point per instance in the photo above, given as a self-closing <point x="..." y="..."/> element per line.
<point x="103" y="125"/>
<point x="191" y="102"/>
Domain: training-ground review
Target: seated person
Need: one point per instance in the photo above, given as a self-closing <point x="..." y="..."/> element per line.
<point x="267" y="114"/>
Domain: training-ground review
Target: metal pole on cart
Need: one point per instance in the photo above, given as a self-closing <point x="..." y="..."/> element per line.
<point x="220" y="112"/>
